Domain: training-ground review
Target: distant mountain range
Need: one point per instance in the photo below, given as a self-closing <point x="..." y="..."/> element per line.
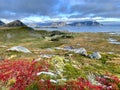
<point x="18" y="23"/>
<point x="60" y="24"/>
<point x="85" y="23"/>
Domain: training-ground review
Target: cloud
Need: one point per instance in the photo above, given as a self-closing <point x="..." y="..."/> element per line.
<point x="98" y="7"/>
<point x="20" y="9"/>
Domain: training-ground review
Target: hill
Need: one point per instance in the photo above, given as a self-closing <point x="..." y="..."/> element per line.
<point x="85" y="23"/>
<point x="2" y="23"/>
<point x="16" y="23"/>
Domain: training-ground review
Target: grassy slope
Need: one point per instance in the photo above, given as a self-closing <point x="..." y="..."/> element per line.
<point x="33" y="40"/>
<point x="79" y="65"/>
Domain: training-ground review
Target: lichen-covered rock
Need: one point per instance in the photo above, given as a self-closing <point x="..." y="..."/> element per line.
<point x="81" y="51"/>
<point x="68" y="48"/>
<point x="95" y="55"/>
<point x="19" y="49"/>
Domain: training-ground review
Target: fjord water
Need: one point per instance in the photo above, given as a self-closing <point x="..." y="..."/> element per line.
<point x="104" y="28"/>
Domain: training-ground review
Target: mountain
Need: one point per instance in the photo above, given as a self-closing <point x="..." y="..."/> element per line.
<point x="2" y="23"/>
<point x="75" y="23"/>
<point x="58" y="24"/>
<point x="85" y="23"/>
<point x="16" y="23"/>
<point x="67" y="23"/>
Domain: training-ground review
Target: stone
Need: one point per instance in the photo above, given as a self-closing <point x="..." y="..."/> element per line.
<point x="47" y="55"/>
<point x="19" y="49"/>
<point x="68" y="48"/>
<point x="95" y="55"/>
<point x="81" y="51"/>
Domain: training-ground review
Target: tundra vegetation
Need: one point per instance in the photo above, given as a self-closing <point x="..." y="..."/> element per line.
<point x="53" y="63"/>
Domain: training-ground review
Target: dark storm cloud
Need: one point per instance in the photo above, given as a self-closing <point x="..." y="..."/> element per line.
<point x="81" y="8"/>
<point x="104" y="8"/>
<point x="16" y="8"/>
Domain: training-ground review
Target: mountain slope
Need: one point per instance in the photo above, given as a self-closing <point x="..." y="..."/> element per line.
<point x="16" y="23"/>
<point x="2" y="23"/>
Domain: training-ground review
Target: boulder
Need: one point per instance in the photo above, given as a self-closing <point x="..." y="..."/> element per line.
<point x="95" y="55"/>
<point x="19" y="49"/>
<point x="68" y="48"/>
<point x="81" y="51"/>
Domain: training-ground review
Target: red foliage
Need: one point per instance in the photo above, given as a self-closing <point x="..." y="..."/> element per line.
<point x="25" y="73"/>
<point x="109" y="82"/>
<point x="80" y="84"/>
<point x="22" y="70"/>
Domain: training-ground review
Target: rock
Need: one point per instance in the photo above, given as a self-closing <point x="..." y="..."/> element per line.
<point x="49" y="49"/>
<point x="95" y="55"/>
<point x="81" y="51"/>
<point x="47" y="55"/>
<point x="68" y="48"/>
<point x="46" y="73"/>
<point x="19" y="49"/>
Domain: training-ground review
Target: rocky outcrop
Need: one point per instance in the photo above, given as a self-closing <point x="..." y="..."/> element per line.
<point x="16" y="23"/>
<point x="95" y="55"/>
<point x="81" y="51"/>
<point x="19" y="49"/>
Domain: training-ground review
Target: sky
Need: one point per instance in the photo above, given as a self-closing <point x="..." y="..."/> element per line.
<point x="55" y="10"/>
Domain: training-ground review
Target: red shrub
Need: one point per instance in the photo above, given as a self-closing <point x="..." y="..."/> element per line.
<point x="23" y="71"/>
<point x="109" y="82"/>
<point x="20" y="74"/>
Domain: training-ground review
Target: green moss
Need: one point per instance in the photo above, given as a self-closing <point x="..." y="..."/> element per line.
<point x="70" y="72"/>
